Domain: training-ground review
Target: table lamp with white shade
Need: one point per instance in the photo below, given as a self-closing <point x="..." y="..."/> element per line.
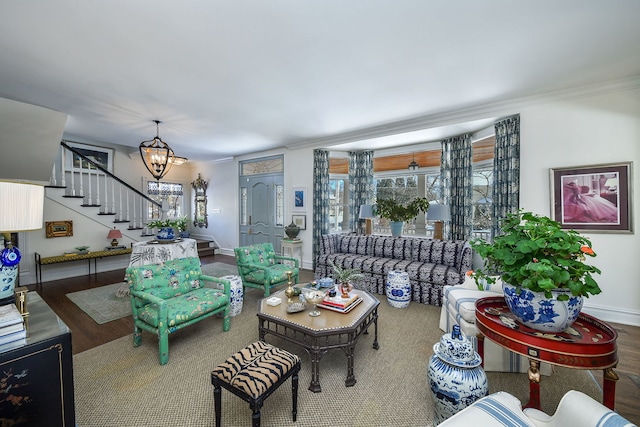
<point x="21" y="209"/>
<point x="366" y="213"/>
<point x="439" y="214"/>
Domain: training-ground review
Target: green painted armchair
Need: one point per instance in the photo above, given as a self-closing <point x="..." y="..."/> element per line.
<point x="260" y="267"/>
<point x="172" y="295"/>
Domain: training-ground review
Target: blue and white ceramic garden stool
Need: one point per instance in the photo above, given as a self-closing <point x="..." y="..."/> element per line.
<point x="398" y="289"/>
<point x="237" y="294"/>
<point x="454" y="375"/>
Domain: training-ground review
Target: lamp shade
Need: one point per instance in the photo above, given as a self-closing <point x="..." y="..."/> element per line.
<point x="114" y="233"/>
<point x="22" y="206"/>
<point x="438" y="212"/>
<point x="366" y="211"/>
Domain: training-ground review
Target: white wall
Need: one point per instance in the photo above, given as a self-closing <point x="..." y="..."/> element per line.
<point x="584" y="131"/>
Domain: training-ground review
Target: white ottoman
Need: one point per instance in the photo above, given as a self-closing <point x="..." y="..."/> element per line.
<point x="398" y="289"/>
<point x="237" y="294"/>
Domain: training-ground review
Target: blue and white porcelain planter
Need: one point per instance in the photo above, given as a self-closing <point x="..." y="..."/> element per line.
<point x="538" y="312"/>
<point x="398" y="289"/>
<point x="454" y="375"/>
<point x="166" y="233"/>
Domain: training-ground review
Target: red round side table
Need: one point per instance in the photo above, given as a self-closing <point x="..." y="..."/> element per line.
<point x="588" y="344"/>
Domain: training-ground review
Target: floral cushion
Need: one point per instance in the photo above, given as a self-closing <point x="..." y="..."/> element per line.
<point x="183" y="308"/>
<point x="260" y="253"/>
<point x="275" y="274"/>
<point x="181" y="275"/>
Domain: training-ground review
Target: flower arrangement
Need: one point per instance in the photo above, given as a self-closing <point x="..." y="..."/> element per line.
<point x="535" y="253"/>
<point x="179" y="223"/>
<point x="398" y="212"/>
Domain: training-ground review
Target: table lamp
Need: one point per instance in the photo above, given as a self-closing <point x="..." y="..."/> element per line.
<point x="21" y="209"/>
<point x="366" y="213"/>
<point x="439" y="214"/>
<point x="114" y="234"/>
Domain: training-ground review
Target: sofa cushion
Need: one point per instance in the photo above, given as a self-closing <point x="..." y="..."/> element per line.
<point x="391" y="247"/>
<point x="260" y="253"/>
<point x="382" y="266"/>
<point x="438" y="252"/>
<point x="167" y="279"/>
<point x="358" y="245"/>
<point x="185" y="307"/>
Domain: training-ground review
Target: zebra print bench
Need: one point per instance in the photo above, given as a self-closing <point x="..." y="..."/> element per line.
<point x="253" y="374"/>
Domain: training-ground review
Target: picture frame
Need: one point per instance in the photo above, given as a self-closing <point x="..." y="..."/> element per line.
<point x="101" y="155"/>
<point x="300" y="221"/>
<point x="595" y="198"/>
<point x="58" y="228"/>
<point x="299" y="199"/>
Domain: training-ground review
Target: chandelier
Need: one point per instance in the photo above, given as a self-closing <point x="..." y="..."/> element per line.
<point x="156" y="154"/>
<point x="413" y="166"/>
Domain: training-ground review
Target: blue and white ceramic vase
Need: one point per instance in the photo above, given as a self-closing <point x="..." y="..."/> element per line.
<point x="454" y="375"/>
<point x="237" y="294"/>
<point x="538" y="312"/>
<point x="398" y="289"/>
<point x="166" y="233"/>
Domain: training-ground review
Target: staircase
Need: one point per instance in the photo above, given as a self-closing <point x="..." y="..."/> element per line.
<point x="87" y="187"/>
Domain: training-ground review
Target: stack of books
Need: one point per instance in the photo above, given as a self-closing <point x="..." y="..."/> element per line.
<point x="12" y="327"/>
<point x="339" y="304"/>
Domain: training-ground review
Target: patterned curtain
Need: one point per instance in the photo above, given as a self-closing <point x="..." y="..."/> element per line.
<point x="360" y="184"/>
<point x="456" y="170"/>
<point x="320" y="199"/>
<point x="506" y="170"/>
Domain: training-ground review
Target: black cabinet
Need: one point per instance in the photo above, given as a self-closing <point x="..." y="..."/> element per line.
<point x="36" y="375"/>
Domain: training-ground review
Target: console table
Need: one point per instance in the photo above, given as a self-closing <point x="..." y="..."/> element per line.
<point x="588" y="344"/>
<point x="40" y="260"/>
<point x="36" y="375"/>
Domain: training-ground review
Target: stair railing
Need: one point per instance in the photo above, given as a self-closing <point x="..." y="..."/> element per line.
<point x="84" y="178"/>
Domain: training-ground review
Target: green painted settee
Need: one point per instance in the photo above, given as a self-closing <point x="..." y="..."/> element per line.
<point x="260" y="267"/>
<point x="169" y="296"/>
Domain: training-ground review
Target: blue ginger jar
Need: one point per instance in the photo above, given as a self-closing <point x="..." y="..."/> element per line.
<point x="454" y="375"/>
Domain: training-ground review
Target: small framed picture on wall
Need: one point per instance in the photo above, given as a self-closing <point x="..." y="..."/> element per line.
<point x="299" y="198"/>
<point x="300" y="221"/>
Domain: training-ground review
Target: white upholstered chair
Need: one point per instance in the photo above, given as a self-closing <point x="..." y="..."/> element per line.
<point x="459" y="308"/>
<point x="503" y="409"/>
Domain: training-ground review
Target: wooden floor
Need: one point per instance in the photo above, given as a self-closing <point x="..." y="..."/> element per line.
<point x="86" y="333"/>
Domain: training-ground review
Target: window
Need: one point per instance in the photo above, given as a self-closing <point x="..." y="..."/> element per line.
<point x="338" y="204"/>
<point x="171" y="192"/>
<point x="482" y="199"/>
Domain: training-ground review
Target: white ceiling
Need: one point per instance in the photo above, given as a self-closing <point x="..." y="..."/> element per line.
<point x="228" y="78"/>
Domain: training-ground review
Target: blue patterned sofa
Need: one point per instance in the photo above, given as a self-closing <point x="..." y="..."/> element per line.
<point x="431" y="264"/>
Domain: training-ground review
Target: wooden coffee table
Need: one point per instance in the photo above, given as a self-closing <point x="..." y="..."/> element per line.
<point x="319" y="334"/>
<point x="589" y="344"/>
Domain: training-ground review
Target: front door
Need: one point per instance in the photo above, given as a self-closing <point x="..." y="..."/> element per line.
<point x="261" y="210"/>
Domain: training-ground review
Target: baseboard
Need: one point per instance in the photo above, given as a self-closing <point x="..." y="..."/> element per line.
<point x="613" y="314"/>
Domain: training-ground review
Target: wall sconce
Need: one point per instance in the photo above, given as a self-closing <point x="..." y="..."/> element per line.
<point x="366" y="213"/>
<point x="439" y="214"/>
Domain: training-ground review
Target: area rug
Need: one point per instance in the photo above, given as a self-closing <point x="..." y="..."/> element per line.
<point x="117" y="384"/>
<point x="101" y="303"/>
<point x="107" y="303"/>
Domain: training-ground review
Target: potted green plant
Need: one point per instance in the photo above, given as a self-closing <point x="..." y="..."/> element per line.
<point x="397" y="213"/>
<point x="168" y="227"/>
<point x="345" y="277"/>
<point x="536" y="258"/>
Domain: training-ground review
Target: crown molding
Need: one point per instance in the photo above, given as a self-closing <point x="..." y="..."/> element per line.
<point x="494" y="110"/>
